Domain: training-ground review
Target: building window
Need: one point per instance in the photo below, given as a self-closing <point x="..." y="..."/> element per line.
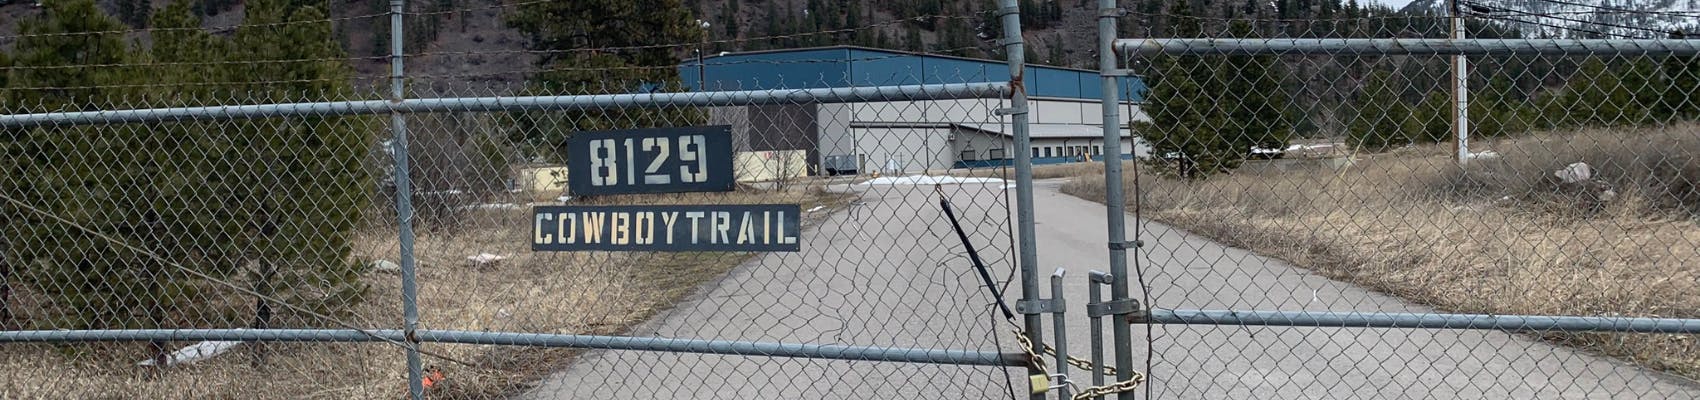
<point x="1035" y="152"/>
<point x="1048" y="151"/>
<point x="995" y="154"/>
<point x="968" y="155"/>
<point x="1098" y="150"/>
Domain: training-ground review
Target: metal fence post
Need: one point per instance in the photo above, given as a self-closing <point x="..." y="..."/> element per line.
<point x="1114" y="215"/>
<point x="404" y="210"/>
<point x="1014" y="52"/>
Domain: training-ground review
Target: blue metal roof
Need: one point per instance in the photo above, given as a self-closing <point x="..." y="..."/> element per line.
<point x="848" y="66"/>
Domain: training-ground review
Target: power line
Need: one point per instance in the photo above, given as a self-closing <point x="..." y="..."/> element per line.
<point x="1565" y="28"/>
<point x="1623" y="10"/>
<point x="1490" y="9"/>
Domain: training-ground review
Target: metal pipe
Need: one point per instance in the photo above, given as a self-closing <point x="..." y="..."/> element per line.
<point x="1114" y="213"/>
<point x="699" y="346"/>
<point x="404" y="210"/>
<point x="1015" y="55"/>
<point x="1460" y="90"/>
<point x="1330" y="319"/>
<point x="1094" y="287"/>
<point x="520" y="103"/>
<point x="1059" y="326"/>
<point x="232" y="335"/>
<point x="1409" y="47"/>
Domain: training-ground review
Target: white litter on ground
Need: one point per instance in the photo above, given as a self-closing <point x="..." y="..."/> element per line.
<point x="1309" y="147"/>
<point x="816" y="208"/>
<point x="1575" y="172"/>
<point x="491" y="206"/>
<point x="485" y="258"/>
<point x="385" y="266"/>
<point x="195" y="352"/>
<point x="928" y="180"/>
<point x="1490" y="154"/>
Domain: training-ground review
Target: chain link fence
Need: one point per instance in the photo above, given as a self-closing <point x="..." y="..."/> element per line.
<point x="182" y="228"/>
<point x="283" y="224"/>
<point x="1307" y="167"/>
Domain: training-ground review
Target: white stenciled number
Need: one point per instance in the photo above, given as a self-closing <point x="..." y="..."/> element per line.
<point x="690" y="149"/>
<point x="604" y="163"/>
<point x="662" y="148"/>
<point x="631" y="163"/>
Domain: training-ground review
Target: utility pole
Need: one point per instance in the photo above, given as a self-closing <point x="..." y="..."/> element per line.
<point x="1460" y="89"/>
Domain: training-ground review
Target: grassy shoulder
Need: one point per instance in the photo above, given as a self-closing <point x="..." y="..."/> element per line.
<point x="605" y="293"/>
<point x="1508" y="235"/>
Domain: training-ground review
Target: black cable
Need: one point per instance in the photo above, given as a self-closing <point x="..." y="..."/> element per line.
<point x="1566" y="28"/>
<point x="1625" y="10"/>
<point x="1475" y="7"/>
<point x="974" y="256"/>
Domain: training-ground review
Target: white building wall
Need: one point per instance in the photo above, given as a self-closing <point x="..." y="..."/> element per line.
<point x="915" y="134"/>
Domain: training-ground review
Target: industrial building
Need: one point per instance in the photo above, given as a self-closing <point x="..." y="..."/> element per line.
<point x="909" y="136"/>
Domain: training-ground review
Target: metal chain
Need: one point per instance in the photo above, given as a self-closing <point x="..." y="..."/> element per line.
<point x="1128" y="385"/>
<point x="1079" y="363"/>
<point x="1038" y="362"/>
<point x="1033" y="359"/>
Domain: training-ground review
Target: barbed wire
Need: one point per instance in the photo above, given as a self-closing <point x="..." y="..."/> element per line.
<point x="491" y="7"/>
<point x="193" y="84"/>
<point x="221" y="282"/>
<point x="1310" y="20"/>
<point x="705" y="42"/>
<point x="692" y="64"/>
<point x="189" y="63"/>
<point x="216" y="29"/>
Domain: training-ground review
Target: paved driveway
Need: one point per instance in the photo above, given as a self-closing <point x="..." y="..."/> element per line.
<point x="888" y="273"/>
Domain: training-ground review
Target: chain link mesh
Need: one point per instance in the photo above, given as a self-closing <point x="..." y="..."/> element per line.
<point x="289" y="221"/>
<point x="1330" y="182"/>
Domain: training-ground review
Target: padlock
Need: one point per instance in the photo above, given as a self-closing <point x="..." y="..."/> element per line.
<point x="1040" y="383"/>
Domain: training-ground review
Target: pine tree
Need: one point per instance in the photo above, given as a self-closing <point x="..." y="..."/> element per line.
<point x="301" y="184"/>
<point x="729" y="18"/>
<point x="1601" y="95"/>
<point x="912" y="39"/>
<point x="12" y="160"/>
<point x="134" y="12"/>
<point x="1494" y="112"/>
<point x="101" y="178"/>
<point x="1200" y="133"/>
<point x="1681" y="97"/>
<point x="625" y="31"/>
<point x="1382" y="119"/>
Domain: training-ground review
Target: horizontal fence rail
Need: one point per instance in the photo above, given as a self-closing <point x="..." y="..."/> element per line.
<point x="1397" y="47"/>
<point x="520" y="103"/>
<point x="700" y="346"/>
<point x="1325" y="319"/>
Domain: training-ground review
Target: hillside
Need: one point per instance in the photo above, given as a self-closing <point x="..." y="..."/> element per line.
<point x="469" y="42"/>
<point x="1580" y="18"/>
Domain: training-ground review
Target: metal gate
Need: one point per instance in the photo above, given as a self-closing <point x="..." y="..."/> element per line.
<point x="1312" y="218"/>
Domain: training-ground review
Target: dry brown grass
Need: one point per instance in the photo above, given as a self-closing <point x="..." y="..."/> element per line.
<point x="581" y="292"/>
<point x="1499" y="239"/>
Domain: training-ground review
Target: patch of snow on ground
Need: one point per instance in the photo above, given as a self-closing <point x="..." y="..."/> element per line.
<point x="928" y="180"/>
<point x="195" y="352"/>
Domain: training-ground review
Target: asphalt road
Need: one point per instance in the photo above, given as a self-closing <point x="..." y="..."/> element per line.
<point x="888" y="272"/>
